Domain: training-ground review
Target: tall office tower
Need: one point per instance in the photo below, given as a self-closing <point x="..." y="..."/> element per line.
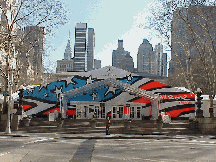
<point x="9" y="9"/>
<point x="202" y="22"/>
<point x="80" y="47"/>
<point x="68" y="50"/>
<point x="145" y="58"/>
<point x="7" y="13"/>
<point x="164" y="65"/>
<point x="90" y="49"/>
<point x="66" y="64"/>
<point x="127" y="63"/>
<point x="3" y="17"/>
<point x="118" y="55"/>
<point x="33" y="49"/>
<point x="158" y="52"/>
<point x="97" y="64"/>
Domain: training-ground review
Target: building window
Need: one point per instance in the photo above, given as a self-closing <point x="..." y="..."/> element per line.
<point x="102" y="112"/>
<point x="120" y="112"/>
<point x="96" y="113"/>
<point x="138" y="112"/>
<point x="114" y="112"/>
<point x="85" y="112"/>
<point x="91" y="110"/>
<point x="132" y="112"/>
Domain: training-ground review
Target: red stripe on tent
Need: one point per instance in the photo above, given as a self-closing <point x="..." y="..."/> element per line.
<point x="175" y="113"/>
<point x="126" y="110"/>
<point x="71" y="112"/>
<point x="177" y="96"/>
<point x="51" y="111"/>
<point x="154" y="84"/>
<point x="141" y="100"/>
<point x="25" y="107"/>
<point x="150" y="112"/>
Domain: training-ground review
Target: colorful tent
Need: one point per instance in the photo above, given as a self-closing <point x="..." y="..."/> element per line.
<point x="125" y="88"/>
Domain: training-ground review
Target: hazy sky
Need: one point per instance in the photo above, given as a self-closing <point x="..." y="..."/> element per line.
<point x="111" y="20"/>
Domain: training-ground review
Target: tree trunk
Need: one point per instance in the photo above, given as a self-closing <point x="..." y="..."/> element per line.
<point x="211" y="105"/>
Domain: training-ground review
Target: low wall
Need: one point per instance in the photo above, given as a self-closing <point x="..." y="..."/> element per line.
<point x="205" y="106"/>
<point x="207" y="125"/>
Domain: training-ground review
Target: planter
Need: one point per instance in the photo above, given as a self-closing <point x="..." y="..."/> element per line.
<point x="193" y="124"/>
<point x="159" y="125"/>
<point x="25" y="122"/>
<point x="93" y="124"/>
<point x="127" y="124"/>
<point x="60" y="124"/>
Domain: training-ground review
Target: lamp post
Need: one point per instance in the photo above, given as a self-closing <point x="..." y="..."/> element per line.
<point x="20" y="108"/>
<point x="199" y="112"/>
<point x="8" y="127"/>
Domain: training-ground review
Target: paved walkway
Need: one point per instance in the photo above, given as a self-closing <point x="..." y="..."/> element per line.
<point x="59" y="135"/>
<point x="155" y="135"/>
<point x="56" y="149"/>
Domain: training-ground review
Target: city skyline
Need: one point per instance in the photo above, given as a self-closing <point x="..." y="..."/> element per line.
<point x="84" y="47"/>
<point x="108" y="26"/>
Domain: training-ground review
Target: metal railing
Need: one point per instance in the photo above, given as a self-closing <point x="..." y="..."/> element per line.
<point x="114" y="83"/>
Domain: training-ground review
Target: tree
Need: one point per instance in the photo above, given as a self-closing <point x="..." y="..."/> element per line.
<point x="15" y="44"/>
<point x="189" y="29"/>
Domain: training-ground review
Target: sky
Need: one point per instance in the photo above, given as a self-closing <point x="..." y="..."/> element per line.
<point x="111" y="20"/>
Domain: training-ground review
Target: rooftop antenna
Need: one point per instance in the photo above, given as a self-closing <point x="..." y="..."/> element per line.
<point x="69" y="34"/>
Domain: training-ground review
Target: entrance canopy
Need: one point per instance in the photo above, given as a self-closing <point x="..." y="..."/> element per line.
<point x="114" y="84"/>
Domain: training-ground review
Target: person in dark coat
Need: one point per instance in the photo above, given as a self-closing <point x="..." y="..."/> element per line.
<point x="109" y="114"/>
<point x="107" y="125"/>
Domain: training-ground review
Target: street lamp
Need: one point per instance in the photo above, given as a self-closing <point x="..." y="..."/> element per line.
<point x="20" y="108"/>
<point x="199" y="112"/>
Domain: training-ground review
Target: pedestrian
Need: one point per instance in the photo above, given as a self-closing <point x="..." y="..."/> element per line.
<point x="109" y="114"/>
<point x="107" y="125"/>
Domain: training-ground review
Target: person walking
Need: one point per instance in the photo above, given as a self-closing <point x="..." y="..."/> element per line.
<point x="107" y="125"/>
<point x="109" y="114"/>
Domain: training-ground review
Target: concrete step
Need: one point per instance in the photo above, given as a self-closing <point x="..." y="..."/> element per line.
<point x="101" y="122"/>
<point x="113" y="129"/>
<point x="117" y="126"/>
<point x="79" y="129"/>
<point x="176" y="125"/>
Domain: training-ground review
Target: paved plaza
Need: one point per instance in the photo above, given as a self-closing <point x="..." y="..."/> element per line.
<point x="99" y="147"/>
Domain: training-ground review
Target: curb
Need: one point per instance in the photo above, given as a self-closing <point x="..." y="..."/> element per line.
<point x="14" y="135"/>
<point x="122" y="137"/>
<point x="102" y="137"/>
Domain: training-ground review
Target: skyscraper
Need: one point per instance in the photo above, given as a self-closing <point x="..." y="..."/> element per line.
<point x="66" y="64"/>
<point x="152" y="61"/>
<point x="127" y="63"/>
<point x="145" y="58"/>
<point x="192" y="35"/>
<point x="97" y="64"/>
<point x="68" y="50"/>
<point x="158" y="52"/>
<point x="164" y="65"/>
<point x="90" y="49"/>
<point x="80" y="47"/>
<point x="33" y="48"/>
<point x="118" y="55"/>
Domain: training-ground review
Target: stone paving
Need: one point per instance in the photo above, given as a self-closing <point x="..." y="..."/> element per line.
<point x="94" y="145"/>
<point x="45" y="147"/>
<point x="22" y="146"/>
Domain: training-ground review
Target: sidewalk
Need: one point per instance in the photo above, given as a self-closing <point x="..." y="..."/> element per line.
<point x="82" y="131"/>
<point x="58" y="135"/>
